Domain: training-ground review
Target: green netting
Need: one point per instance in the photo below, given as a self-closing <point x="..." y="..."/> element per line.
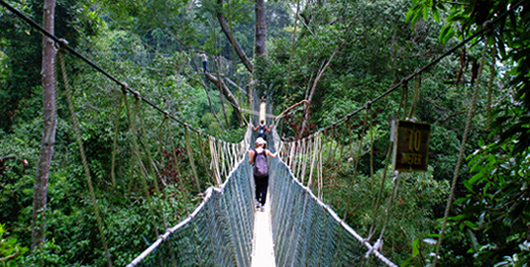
<point x="218" y="233"/>
<point x="306" y="232"/>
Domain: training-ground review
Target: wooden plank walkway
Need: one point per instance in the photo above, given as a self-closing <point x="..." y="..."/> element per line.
<point x="263" y="252"/>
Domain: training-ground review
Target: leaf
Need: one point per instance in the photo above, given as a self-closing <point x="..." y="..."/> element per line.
<point x="415" y="19"/>
<point x="448" y="36"/>
<point x="444" y="32"/>
<point x="436" y="15"/>
<point x="416" y="247"/>
<point x="470" y="224"/>
<point x="410" y="13"/>
<point x="425" y="12"/>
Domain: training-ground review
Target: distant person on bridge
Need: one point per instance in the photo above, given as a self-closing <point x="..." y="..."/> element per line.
<point x="258" y="157"/>
<point x="262" y="130"/>
<point x="204" y="61"/>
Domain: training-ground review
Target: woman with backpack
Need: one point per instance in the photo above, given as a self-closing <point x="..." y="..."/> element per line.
<point x="258" y="157"/>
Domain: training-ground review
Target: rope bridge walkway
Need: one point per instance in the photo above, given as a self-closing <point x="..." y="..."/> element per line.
<point x="220" y="231"/>
<point x="306" y="232"/>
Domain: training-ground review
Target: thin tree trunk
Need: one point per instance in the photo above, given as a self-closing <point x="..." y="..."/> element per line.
<point x="48" y="138"/>
<point x="313" y="88"/>
<point x="226" y="30"/>
<point x="261" y="28"/>
<point x="211" y="106"/>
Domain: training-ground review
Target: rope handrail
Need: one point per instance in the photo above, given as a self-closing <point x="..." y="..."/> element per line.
<point x="281" y="200"/>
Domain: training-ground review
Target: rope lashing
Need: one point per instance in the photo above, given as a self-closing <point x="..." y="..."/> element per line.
<point x="377" y="246"/>
<point x="115" y="141"/>
<point x="371" y="145"/>
<point x="403" y="100"/>
<point x="153" y="172"/>
<point x="201" y="146"/>
<point x="415" y="98"/>
<point x="138" y="159"/>
<point x="192" y="161"/>
<point x="377" y="205"/>
<point x="75" y="123"/>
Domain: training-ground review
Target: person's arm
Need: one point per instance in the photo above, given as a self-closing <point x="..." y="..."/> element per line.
<point x="250" y="156"/>
<point x="272" y="155"/>
<point x="255" y="128"/>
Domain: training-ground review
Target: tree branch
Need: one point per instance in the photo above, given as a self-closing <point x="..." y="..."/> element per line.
<point x="236" y="86"/>
<point x="229" y="96"/>
<point x="9" y="257"/>
<point x="226" y="29"/>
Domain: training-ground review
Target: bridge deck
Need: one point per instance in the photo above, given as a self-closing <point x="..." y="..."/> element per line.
<point x="263" y="253"/>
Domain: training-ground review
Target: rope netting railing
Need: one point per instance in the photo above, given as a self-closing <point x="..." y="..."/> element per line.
<point x="219" y="232"/>
<point x="306" y="231"/>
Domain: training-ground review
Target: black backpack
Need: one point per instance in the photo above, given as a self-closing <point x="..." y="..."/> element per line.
<point x="261" y="169"/>
<point x="261" y="130"/>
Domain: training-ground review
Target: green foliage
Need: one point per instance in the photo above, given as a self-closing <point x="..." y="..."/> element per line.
<point x="153" y="46"/>
<point x="10" y="250"/>
<point x="20" y="44"/>
<point x="510" y="37"/>
<point x="495" y="213"/>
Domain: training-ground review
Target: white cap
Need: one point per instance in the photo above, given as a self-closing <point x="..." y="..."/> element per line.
<point x="260" y="141"/>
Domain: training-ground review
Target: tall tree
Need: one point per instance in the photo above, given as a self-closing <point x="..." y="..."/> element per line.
<point x="38" y="235"/>
<point x="261" y="28"/>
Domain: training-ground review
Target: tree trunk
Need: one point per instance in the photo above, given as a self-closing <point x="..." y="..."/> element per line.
<point x="261" y="28"/>
<point x="49" y="125"/>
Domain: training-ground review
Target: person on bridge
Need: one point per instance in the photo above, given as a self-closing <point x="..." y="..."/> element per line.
<point x="258" y="157"/>
<point x="262" y="130"/>
<point x="204" y="58"/>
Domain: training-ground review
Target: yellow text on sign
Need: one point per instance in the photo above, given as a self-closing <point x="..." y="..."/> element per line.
<point x="411" y="146"/>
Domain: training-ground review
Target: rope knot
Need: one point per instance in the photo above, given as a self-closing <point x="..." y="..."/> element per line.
<point x="404" y="82"/>
<point x="63" y="42"/>
<point x="368" y="104"/>
<point x="377" y="246"/>
<point x="124" y="87"/>
<point x="137" y="95"/>
<point x="488" y="27"/>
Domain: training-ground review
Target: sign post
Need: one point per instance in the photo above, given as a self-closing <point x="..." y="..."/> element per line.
<point x="411" y="145"/>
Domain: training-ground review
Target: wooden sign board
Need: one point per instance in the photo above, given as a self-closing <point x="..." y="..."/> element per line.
<point x="411" y="145"/>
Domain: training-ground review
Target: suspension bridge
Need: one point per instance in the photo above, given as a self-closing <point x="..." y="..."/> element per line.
<point x="296" y="229"/>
